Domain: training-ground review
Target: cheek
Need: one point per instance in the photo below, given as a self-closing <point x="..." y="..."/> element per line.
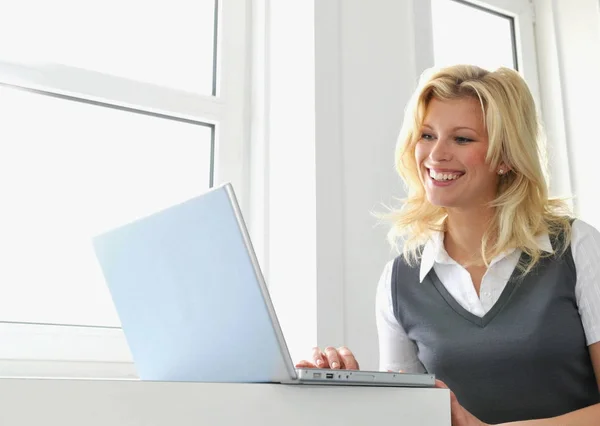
<point x="474" y="158"/>
<point x="420" y="153"/>
<point x="420" y="156"/>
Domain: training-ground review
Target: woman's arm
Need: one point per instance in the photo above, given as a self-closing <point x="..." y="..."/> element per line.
<point x="585" y="417"/>
<point x="396" y="351"/>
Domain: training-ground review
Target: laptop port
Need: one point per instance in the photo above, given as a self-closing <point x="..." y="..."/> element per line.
<point x="329" y="375"/>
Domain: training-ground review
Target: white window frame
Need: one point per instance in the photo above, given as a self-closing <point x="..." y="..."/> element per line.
<point x="520" y="10"/>
<point x="42" y="350"/>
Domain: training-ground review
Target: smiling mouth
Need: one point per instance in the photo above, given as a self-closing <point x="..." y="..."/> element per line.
<point x="444" y="176"/>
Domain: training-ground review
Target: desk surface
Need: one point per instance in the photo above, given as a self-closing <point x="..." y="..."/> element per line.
<point x="132" y="403"/>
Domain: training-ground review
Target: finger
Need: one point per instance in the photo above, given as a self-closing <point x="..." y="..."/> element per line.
<point x="305" y="364"/>
<point x="347" y="358"/>
<point x="332" y="357"/>
<point x="441" y="385"/>
<point x="319" y="360"/>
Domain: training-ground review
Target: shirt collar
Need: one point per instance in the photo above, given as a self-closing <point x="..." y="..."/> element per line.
<point x="434" y="252"/>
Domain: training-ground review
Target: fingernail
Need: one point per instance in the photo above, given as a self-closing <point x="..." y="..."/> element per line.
<point x="319" y="362"/>
<point x="334" y="364"/>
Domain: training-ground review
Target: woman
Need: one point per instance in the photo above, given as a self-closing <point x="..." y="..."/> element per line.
<point x="497" y="289"/>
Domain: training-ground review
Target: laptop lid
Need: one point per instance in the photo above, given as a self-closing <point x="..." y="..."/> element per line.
<point x="190" y="296"/>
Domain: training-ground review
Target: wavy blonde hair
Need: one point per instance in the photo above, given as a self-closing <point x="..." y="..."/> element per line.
<point x="522" y="208"/>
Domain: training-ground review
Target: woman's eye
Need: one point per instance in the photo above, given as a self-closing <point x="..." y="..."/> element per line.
<point x="427" y="136"/>
<point x="463" y="140"/>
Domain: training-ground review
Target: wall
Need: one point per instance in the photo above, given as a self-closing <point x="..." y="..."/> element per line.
<point x="326" y="257"/>
<point x="378" y="76"/>
<point x="290" y="190"/>
<point x="551" y="97"/>
<point x="577" y="35"/>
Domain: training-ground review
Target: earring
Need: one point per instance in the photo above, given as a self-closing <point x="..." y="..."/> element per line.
<point x="501" y="171"/>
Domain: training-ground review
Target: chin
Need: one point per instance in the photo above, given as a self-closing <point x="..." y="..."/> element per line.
<point x="439" y="202"/>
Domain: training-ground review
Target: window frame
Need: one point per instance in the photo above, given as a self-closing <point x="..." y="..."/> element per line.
<point x="524" y="20"/>
<point x="46" y="350"/>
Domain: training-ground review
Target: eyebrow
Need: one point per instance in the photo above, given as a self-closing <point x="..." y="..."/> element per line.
<point x="454" y="128"/>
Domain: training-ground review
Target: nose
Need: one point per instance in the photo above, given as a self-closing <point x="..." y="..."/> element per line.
<point x="440" y="150"/>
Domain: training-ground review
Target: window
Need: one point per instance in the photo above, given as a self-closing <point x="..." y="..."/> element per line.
<point x="81" y="170"/>
<point x="109" y="112"/>
<point x="488" y="33"/>
<point x="171" y="44"/>
<point x="467" y="33"/>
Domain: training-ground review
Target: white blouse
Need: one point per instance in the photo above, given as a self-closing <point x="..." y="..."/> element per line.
<point x="398" y="352"/>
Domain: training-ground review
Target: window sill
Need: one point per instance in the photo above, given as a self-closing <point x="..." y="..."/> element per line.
<point x="32" y="350"/>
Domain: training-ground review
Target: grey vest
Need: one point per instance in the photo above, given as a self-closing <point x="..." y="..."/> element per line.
<point x="527" y="358"/>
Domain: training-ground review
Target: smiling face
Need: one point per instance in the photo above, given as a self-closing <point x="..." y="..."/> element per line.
<point x="450" y="154"/>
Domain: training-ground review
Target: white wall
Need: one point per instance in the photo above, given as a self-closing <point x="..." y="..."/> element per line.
<point x="290" y="188"/>
<point x="378" y="76"/>
<point x="363" y="73"/>
<point x="577" y="35"/>
<point x="551" y="96"/>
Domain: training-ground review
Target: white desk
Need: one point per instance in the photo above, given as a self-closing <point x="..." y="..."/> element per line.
<point x="133" y="403"/>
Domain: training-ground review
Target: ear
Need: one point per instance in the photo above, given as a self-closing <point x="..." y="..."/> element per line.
<point x="503" y="169"/>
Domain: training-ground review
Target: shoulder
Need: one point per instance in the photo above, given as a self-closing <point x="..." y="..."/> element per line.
<point x="581" y="229"/>
<point x="387" y="268"/>
<point x="385" y="278"/>
<point x="585" y="238"/>
<point x="389" y="272"/>
<point x="384" y="290"/>
<point x="585" y="247"/>
<point x="391" y="266"/>
<point x="574" y="234"/>
<point x="583" y="233"/>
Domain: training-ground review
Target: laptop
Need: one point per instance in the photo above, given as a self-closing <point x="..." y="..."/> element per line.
<point x="194" y="305"/>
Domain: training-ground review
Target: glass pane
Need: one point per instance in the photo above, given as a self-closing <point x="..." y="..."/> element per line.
<point x="68" y="171"/>
<point x="466" y="34"/>
<point x="165" y="43"/>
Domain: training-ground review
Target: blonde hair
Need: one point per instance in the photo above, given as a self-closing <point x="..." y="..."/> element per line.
<point x="523" y="209"/>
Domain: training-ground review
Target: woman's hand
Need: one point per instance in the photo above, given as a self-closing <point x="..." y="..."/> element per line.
<point x="340" y="358"/>
<point x="460" y="416"/>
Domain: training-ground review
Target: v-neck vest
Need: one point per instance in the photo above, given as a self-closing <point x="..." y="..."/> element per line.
<point x="527" y="358"/>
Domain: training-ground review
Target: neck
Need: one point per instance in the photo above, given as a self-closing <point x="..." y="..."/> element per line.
<point x="464" y="233"/>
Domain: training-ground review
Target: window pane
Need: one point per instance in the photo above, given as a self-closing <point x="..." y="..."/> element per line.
<point x="70" y="170"/>
<point x="166" y="43"/>
<point x="466" y="34"/>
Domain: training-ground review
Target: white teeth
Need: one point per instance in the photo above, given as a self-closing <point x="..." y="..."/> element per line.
<point x="443" y="176"/>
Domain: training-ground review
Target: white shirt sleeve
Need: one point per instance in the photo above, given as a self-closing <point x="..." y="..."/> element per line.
<point x="585" y="246"/>
<point x="396" y="350"/>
